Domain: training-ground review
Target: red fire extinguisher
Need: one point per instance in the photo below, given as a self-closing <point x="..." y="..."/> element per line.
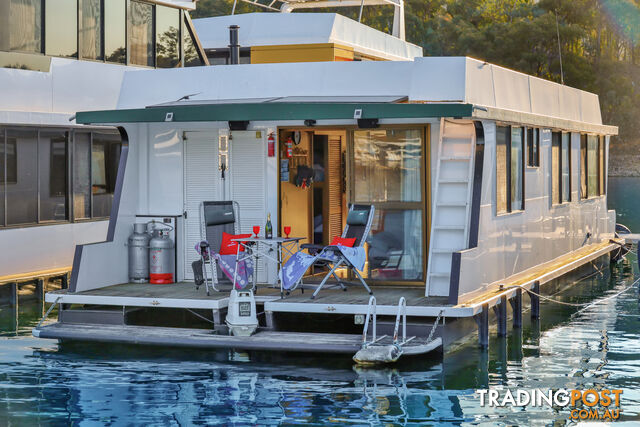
<point x="271" y="145"/>
<point x="289" y="146"/>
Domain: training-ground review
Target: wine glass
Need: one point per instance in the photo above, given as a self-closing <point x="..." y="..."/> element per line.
<point x="287" y="230"/>
<point x="256" y="230"/>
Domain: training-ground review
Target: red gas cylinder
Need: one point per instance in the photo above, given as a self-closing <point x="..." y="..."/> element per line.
<point x="161" y="258"/>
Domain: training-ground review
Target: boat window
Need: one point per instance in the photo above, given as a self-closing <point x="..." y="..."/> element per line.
<point x="115" y="49"/>
<point x="601" y="163"/>
<point x="22" y="186"/>
<point x="61" y="28"/>
<point x="90" y="29"/>
<point x="167" y="37"/>
<point x="517" y="168"/>
<point x="509" y="169"/>
<point x="502" y="137"/>
<point x="592" y="166"/>
<point x="191" y="56"/>
<point x="556" y="181"/>
<point x="583" y="167"/>
<point x="533" y="146"/>
<point x="565" y="166"/>
<point x="388" y="173"/>
<point x="141" y="43"/>
<point x="52" y="174"/>
<point x="82" y="175"/>
<point x="23" y="19"/>
<point x="105" y="157"/>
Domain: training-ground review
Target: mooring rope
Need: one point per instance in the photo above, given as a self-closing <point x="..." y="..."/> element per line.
<point x="585" y="305"/>
<point x="202" y="317"/>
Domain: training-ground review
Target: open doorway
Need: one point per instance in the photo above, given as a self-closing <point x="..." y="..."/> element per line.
<point x="313" y="198"/>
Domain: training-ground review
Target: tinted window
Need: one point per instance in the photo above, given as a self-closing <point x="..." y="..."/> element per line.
<point x="388" y="172"/>
<point x="90" y="32"/>
<point x="52" y="170"/>
<point x="583" y="167"/>
<point x="104" y="169"/>
<point x="592" y="165"/>
<point x="61" y="28"/>
<point x="167" y="37"/>
<point x="555" y="167"/>
<point x="533" y="145"/>
<point x="82" y="175"/>
<point x="502" y="168"/>
<point x="191" y="57"/>
<point x="2" y="172"/>
<point x="517" y="168"/>
<point x="115" y="31"/>
<point x="22" y="194"/>
<point x="566" y="167"/>
<point x="21" y="25"/>
<point x="601" y="163"/>
<point x="141" y="34"/>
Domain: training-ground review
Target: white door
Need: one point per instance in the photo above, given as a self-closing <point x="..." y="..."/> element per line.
<point x="201" y="182"/>
<point x="248" y="184"/>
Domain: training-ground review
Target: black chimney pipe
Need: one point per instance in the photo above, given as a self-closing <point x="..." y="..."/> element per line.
<point x="234" y="47"/>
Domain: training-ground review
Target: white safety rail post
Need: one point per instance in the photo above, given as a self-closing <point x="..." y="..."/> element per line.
<point x="402" y="311"/>
<point x="371" y="310"/>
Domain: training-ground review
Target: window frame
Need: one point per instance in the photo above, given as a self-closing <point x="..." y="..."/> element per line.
<point x="185" y="28"/>
<point x="559" y="178"/>
<point x="509" y="157"/>
<point x="533" y="161"/>
<point x="424" y="205"/>
<point x="69" y="196"/>
<point x="601" y="169"/>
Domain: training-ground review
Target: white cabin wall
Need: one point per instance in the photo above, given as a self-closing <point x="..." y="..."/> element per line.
<point x="511" y="243"/>
<point x="106" y="263"/>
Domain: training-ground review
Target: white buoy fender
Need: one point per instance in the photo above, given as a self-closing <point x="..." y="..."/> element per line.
<point x="377" y="354"/>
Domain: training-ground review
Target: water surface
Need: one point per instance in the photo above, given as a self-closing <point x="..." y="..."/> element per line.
<point x="96" y="384"/>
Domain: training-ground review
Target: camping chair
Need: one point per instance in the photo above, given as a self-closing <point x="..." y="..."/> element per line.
<point x="216" y="217"/>
<point x="358" y="225"/>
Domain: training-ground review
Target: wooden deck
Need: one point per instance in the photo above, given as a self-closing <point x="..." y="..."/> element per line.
<point x="199" y="338"/>
<point x="176" y="295"/>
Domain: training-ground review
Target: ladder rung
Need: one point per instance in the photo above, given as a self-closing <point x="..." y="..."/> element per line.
<point x="452" y="204"/>
<point x="455" y="159"/>
<point x="443" y="251"/>
<point x="454" y="181"/>
<point x="439" y="274"/>
<point x="449" y="227"/>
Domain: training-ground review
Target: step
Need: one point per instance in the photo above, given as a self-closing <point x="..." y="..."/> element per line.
<point x="443" y="251"/>
<point x="449" y="227"/>
<point x="451" y="204"/>
<point x="454" y="181"/>
<point x="455" y="159"/>
<point x="439" y="274"/>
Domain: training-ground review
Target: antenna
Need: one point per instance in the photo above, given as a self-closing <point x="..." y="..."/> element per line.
<point x="559" y="48"/>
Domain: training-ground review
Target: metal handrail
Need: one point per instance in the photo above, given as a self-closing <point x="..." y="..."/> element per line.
<point x="402" y="310"/>
<point x="371" y="309"/>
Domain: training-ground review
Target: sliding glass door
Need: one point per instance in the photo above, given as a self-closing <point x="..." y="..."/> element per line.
<point x="388" y="171"/>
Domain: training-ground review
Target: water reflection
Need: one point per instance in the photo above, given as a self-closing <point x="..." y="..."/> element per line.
<point x="44" y="382"/>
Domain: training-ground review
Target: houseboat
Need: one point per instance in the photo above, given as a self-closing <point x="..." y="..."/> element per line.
<point x="57" y="178"/>
<point x="486" y="186"/>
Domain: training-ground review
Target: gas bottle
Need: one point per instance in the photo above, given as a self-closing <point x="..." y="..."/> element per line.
<point x="139" y="254"/>
<point x="161" y="257"/>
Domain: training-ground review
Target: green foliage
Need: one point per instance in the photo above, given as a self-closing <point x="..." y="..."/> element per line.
<point x="598" y="40"/>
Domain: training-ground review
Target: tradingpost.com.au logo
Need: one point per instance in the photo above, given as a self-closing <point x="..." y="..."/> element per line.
<point x="601" y="405"/>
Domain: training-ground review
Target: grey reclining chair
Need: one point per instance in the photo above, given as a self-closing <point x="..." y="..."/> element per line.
<point x="358" y="225"/>
<point x="216" y="217"/>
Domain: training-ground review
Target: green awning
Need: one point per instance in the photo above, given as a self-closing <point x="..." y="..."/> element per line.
<point x="274" y="112"/>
